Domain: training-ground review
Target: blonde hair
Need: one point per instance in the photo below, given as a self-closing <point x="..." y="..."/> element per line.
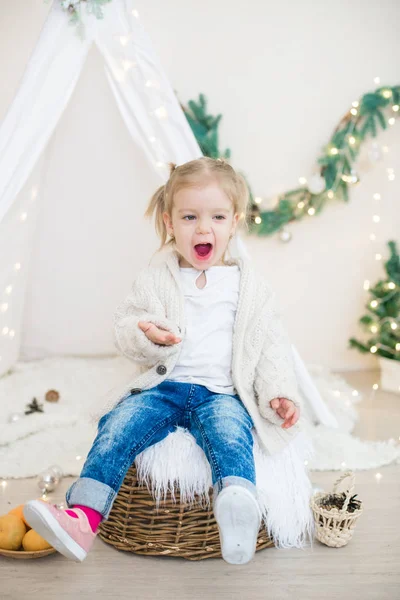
<point x="194" y="173"/>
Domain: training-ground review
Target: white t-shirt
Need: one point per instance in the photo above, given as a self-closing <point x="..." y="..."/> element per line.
<point x="206" y="353"/>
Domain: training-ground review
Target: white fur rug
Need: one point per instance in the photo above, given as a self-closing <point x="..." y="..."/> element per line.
<point x="63" y="434"/>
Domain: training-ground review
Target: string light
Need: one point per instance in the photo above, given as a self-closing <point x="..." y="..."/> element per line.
<point x="161" y="112"/>
<point x="302" y="180"/>
<point x="258" y="200"/>
<point x="311" y="211"/>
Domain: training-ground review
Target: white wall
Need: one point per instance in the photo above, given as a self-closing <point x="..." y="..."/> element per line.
<point x="282" y="74"/>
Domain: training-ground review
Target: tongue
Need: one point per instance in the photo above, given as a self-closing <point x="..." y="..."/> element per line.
<point x="203" y="249"/>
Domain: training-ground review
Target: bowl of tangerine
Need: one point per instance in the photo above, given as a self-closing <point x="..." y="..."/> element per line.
<point x="18" y="539"/>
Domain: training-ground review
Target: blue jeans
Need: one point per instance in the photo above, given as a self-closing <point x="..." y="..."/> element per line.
<point x="220" y="424"/>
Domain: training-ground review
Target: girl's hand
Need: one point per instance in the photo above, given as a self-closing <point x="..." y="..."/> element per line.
<point x="286" y="410"/>
<point x="157" y="335"/>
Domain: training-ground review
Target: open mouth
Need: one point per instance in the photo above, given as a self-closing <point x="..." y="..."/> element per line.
<point x="203" y="251"/>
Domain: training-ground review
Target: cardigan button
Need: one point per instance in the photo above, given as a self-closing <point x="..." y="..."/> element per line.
<point x="161" y="369"/>
<point x="136" y="391"/>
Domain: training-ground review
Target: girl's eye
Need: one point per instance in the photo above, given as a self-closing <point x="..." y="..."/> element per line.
<point x="189" y="217"/>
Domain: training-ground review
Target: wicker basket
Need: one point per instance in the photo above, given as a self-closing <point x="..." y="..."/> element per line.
<point x="175" y="529"/>
<point x="335" y="527"/>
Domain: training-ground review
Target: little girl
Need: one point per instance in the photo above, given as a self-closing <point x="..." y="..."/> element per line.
<point x="213" y="357"/>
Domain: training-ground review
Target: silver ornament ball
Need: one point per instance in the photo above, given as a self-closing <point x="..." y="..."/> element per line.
<point x="47" y="481"/>
<point x="317" y="184"/>
<point x="285" y="235"/>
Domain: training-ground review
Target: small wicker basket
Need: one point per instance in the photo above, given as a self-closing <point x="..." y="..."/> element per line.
<point x="175" y="529"/>
<point x="334" y="526"/>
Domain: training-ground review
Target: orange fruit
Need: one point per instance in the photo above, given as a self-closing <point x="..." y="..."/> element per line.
<point x="19" y="512"/>
<point x="12" y="530"/>
<point x="33" y="541"/>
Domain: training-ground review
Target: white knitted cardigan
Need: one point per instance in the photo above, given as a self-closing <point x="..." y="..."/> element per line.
<point x="262" y="363"/>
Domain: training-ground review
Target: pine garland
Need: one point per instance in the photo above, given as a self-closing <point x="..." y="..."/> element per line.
<point x="383" y="313"/>
<point x="336" y="162"/>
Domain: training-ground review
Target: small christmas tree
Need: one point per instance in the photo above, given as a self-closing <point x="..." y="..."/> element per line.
<point x="382" y="320"/>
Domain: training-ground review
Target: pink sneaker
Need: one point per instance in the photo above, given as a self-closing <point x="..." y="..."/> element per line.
<point x="71" y="537"/>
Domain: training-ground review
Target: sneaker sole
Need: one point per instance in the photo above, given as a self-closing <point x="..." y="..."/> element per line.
<point x="239" y="519"/>
<point x="42" y="521"/>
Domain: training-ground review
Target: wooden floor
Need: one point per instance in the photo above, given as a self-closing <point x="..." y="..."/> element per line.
<point x="367" y="568"/>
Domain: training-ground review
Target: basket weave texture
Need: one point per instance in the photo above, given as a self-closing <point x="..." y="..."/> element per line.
<point x="335" y="527"/>
<point x="174" y="529"/>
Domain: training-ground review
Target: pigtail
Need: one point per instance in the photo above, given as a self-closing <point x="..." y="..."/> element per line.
<point x="157" y="206"/>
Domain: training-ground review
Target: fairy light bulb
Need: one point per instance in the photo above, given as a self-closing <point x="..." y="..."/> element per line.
<point x="398" y="346"/>
<point x="161" y="112"/>
<point x="376" y="218"/>
<point x="387" y="93"/>
<point x="352" y="140"/>
<point x="366" y="284"/>
<point x="393" y="325"/>
<point x="257" y="220"/>
<point x="5" y="330"/>
<point x="334" y="151"/>
<point x="17" y="266"/>
<point x="302" y="180"/>
<point x="377" y="80"/>
<point x="258" y="200"/>
<point x="391" y="285"/>
<point x="301" y="204"/>
<point x="23" y="216"/>
<point x="354" y="111"/>
<point x="311" y="211"/>
<point x="374" y="303"/>
<point x="330" y="194"/>
<point x="378" y="256"/>
<point x="354" y="393"/>
<point x="375" y="386"/>
<point x="9" y="289"/>
<point x="374" y="328"/>
<point x="355" y="103"/>
<point x="3" y="307"/>
<point x="376" y="196"/>
<point x="373" y="349"/>
<point x="135" y="13"/>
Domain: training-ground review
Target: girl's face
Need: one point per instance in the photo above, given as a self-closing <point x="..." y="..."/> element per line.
<point x="202" y="221"/>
